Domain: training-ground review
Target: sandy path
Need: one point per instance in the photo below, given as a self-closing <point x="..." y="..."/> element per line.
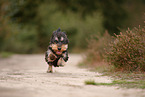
<point x="25" y="76"/>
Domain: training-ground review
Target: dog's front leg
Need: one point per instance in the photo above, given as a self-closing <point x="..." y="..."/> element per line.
<point x="49" y="69"/>
<point x="65" y="56"/>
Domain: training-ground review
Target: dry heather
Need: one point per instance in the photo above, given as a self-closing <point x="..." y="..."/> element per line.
<point x="127" y="52"/>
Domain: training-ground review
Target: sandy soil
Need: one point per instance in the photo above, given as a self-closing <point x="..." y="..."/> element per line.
<point x="25" y="76"/>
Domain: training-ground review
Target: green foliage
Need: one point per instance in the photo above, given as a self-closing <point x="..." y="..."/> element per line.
<point x="21" y="40"/>
<point x="23" y="11"/>
<point x="75" y="27"/>
<point x="112" y="10"/>
<point x="6" y="54"/>
<point x="79" y="18"/>
<point x="127" y="52"/>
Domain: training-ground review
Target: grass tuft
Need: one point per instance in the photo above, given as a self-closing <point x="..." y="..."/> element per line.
<point x="90" y="82"/>
<point x="122" y="83"/>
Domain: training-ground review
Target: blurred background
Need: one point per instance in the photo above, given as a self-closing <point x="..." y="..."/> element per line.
<point x="26" y="25"/>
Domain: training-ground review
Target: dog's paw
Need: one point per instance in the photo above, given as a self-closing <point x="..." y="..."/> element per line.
<point x="61" y="65"/>
<point x="65" y="59"/>
<point x="49" y="71"/>
<point x="60" y="62"/>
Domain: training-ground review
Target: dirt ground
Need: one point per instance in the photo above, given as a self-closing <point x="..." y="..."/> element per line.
<point x="25" y="76"/>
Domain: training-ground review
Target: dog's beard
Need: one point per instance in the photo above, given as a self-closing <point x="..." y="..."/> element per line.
<point x="59" y="52"/>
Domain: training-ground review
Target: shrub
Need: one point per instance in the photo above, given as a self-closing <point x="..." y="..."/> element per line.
<point x="96" y="44"/>
<point x="20" y="40"/>
<point x="127" y="52"/>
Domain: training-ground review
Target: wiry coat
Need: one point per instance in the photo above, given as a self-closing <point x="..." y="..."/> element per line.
<point x="57" y="48"/>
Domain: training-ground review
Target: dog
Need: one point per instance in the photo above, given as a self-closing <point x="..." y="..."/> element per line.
<point x="57" y="52"/>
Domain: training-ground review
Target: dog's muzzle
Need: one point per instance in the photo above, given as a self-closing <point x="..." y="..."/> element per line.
<point x="59" y="49"/>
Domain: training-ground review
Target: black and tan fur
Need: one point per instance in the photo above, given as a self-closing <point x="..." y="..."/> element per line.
<point x="57" y="50"/>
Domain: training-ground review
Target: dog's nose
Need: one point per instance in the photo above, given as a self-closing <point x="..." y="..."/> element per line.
<point x="59" y="48"/>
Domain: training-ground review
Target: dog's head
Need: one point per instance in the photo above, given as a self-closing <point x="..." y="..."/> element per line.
<point x="59" y="42"/>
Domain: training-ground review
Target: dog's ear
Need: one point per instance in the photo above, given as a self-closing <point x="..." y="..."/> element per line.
<point x="66" y="39"/>
<point x="58" y="30"/>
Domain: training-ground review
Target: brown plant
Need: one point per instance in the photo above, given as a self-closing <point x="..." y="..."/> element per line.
<point x="127" y="52"/>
